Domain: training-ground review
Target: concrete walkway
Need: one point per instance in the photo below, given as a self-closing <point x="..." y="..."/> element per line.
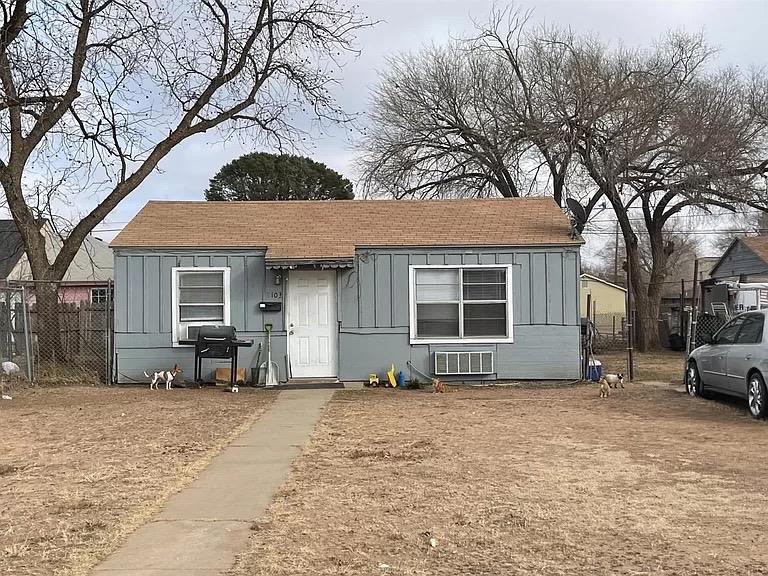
<point x="203" y="527"/>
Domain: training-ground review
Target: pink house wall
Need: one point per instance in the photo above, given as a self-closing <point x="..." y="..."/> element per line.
<point x="69" y="294"/>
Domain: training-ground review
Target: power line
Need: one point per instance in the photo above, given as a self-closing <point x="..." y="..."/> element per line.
<point x="680" y="216"/>
<point x="681" y="232"/>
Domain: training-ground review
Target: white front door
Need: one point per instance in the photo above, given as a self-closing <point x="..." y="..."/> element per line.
<point x="312" y="323"/>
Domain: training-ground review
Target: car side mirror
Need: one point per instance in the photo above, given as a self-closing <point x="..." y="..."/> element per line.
<point x="708" y="339"/>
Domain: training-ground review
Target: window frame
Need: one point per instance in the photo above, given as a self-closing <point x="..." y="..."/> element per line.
<point x="99" y="288"/>
<point x="414" y="339"/>
<point x="175" y="321"/>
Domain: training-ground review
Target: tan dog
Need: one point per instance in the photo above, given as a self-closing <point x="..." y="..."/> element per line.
<point x="437" y="385"/>
<point x="608" y="381"/>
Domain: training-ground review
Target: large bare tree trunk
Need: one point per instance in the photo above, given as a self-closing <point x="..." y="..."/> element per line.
<point x="647" y="292"/>
<point x="48" y="329"/>
<point x="647" y="308"/>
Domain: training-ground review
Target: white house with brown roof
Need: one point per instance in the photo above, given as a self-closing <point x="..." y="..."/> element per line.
<point x="464" y="289"/>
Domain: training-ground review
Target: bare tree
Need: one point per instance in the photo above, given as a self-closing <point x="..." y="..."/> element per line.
<point x="746" y="223"/>
<point x="95" y="93"/>
<point x="679" y="140"/>
<point x="612" y="256"/>
<point x="435" y="128"/>
<point x="656" y="130"/>
<point x="473" y="117"/>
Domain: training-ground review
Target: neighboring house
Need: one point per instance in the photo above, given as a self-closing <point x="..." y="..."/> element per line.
<point x="86" y="280"/>
<point x="745" y="261"/>
<point x="361" y="285"/>
<point x="669" y="310"/>
<point x="607" y="302"/>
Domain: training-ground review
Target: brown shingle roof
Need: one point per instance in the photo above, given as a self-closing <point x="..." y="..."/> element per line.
<point x="758" y="245"/>
<point x="332" y="229"/>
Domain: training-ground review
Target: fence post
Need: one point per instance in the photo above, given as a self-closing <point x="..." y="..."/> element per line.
<point x="108" y="336"/>
<point x="695" y="314"/>
<point x="630" y="325"/>
<point x="27" y="335"/>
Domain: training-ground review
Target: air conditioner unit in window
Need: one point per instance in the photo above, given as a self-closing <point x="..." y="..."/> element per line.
<point x="192" y="332"/>
<point x="461" y="363"/>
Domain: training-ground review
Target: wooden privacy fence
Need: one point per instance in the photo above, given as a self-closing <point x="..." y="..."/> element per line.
<point x="82" y="329"/>
<point x="84" y="343"/>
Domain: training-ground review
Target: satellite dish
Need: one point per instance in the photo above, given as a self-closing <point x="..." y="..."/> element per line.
<point x="578" y="214"/>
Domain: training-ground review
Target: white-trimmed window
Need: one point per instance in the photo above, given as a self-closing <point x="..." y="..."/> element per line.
<point x="461" y="303"/>
<point x="99" y="295"/>
<point x="200" y="297"/>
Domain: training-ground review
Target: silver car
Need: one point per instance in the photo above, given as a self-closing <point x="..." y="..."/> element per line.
<point x="734" y="361"/>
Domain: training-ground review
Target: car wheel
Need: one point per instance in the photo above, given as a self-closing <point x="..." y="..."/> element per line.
<point x="756" y="395"/>
<point x="693" y="384"/>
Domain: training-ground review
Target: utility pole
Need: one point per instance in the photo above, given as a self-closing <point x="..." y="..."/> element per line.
<point x="616" y="255"/>
<point x="695" y="307"/>
<point x="630" y="323"/>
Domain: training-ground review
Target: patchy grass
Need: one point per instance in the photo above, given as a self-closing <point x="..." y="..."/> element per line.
<point x="521" y="481"/>
<point x="661" y="365"/>
<point x="80" y="468"/>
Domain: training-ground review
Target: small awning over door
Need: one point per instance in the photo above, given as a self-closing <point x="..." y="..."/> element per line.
<point x="310" y="264"/>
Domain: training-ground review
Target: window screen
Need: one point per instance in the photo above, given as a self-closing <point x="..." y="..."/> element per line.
<point x="201" y="297"/>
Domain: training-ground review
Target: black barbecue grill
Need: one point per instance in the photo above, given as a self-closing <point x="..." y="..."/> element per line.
<point x="218" y="342"/>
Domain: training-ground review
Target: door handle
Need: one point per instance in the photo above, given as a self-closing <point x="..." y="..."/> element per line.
<point x="748" y="357"/>
<point x="290" y="332"/>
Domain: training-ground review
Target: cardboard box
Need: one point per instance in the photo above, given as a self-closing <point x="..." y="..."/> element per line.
<point x="223" y="374"/>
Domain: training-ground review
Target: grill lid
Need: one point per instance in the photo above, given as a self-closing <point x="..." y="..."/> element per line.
<point x="216" y="333"/>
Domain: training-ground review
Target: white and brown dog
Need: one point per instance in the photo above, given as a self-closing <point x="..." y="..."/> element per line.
<point x="609" y="381"/>
<point x="166" y="376"/>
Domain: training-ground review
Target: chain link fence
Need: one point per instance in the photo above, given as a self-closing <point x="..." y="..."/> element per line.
<point x="15" y="341"/>
<point x="61" y="334"/>
<point x="610" y="332"/>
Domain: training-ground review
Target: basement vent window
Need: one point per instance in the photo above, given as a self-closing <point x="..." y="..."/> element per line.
<point x="463" y="363"/>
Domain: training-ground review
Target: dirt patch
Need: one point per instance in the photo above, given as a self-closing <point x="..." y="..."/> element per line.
<point x="662" y="365"/>
<point x="80" y="468"/>
<point x="521" y="481"/>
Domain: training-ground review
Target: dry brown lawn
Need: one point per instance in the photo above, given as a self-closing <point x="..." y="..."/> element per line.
<point x="82" y="467"/>
<point x="660" y="365"/>
<point x="522" y="481"/>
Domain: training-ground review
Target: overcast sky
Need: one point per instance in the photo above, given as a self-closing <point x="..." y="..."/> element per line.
<point x="738" y="28"/>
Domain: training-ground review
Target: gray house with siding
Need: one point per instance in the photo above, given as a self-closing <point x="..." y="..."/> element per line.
<point x="744" y="261"/>
<point x="467" y="289"/>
